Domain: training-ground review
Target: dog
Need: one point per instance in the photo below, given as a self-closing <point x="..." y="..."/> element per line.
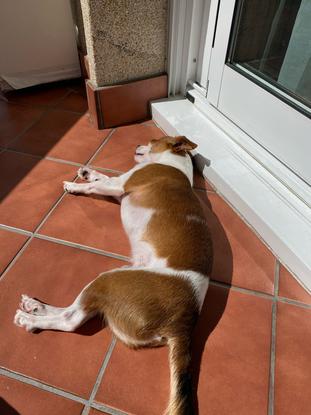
<point x="157" y="300"/>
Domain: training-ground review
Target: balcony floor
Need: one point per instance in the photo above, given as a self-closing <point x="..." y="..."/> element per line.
<point x="251" y="347"/>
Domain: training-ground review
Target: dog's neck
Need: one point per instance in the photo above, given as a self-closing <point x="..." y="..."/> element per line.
<point x="182" y="163"/>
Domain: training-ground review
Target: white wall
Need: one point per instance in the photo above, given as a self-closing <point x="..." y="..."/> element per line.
<point x="37" y="42"/>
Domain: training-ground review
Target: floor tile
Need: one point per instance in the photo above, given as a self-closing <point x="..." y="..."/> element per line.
<point x="63" y="135"/>
<point x="29" y="188"/>
<point x="14" y="119"/>
<point x="290" y="288"/>
<point x="42" y="96"/>
<point x="17" y="398"/>
<point x="75" y="101"/>
<point x="240" y="258"/>
<point x="89" y="220"/>
<point x="136" y="381"/>
<point x="293" y="363"/>
<point x="54" y="274"/>
<point x="118" y="153"/>
<point x="234" y="370"/>
<point x="232" y="354"/>
<point x="10" y="244"/>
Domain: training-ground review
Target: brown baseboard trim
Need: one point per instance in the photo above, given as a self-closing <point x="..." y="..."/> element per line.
<point x="117" y="105"/>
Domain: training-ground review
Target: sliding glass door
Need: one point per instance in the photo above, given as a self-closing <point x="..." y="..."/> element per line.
<point x="260" y="75"/>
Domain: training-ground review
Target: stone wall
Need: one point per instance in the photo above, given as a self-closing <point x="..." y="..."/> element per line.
<point x="126" y="40"/>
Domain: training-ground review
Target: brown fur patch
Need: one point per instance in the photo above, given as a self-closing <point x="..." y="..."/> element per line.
<point x="136" y="303"/>
<point x="178" y="145"/>
<point x="177" y="230"/>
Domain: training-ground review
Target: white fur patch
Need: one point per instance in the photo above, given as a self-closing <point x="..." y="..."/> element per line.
<point x="135" y="220"/>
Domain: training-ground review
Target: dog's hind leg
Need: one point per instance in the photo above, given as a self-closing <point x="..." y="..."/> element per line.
<point x="34" y="315"/>
<point x="68" y="319"/>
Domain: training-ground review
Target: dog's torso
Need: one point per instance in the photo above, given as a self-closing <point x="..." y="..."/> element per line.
<point x="165" y="224"/>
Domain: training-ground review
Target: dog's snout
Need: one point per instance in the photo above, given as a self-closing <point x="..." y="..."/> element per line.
<point x="137" y="146"/>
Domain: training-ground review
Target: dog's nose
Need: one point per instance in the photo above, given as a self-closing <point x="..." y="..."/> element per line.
<point x="137" y="146"/>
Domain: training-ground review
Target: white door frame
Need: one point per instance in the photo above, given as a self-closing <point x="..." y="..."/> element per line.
<point x="187" y="30"/>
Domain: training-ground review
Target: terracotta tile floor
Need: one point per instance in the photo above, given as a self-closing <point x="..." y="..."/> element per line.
<point x="251" y="347"/>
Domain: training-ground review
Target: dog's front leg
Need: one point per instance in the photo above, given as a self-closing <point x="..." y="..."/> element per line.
<point x="100" y="184"/>
<point x="109" y="186"/>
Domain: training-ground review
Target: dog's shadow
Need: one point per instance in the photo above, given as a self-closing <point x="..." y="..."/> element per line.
<point x="6" y="408"/>
<point x="211" y="312"/>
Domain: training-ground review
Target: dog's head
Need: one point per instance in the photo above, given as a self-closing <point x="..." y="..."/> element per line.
<point x="179" y="145"/>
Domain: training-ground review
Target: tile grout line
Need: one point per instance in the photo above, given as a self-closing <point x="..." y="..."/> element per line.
<point x="15" y="230"/>
<point x="41" y="385"/>
<point x="273" y="339"/>
<point x="107" y="409"/>
<point x="260" y="294"/>
<point x="107" y="139"/>
<point x="294" y="302"/>
<point x="82" y="247"/>
<point x="100" y="375"/>
<point x="241" y="290"/>
<point x="16" y="257"/>
<point x="58" y="160"/>
<point x="66" y="243"/>
<point x="127" y="259"/>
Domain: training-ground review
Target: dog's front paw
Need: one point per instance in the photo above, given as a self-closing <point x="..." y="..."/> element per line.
<point x="69" y="187"/>
<point x="24" y="320"/>
<point x="85" y="173"/>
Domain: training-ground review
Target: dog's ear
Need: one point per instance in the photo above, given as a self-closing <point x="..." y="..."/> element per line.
<point x="181" y="143"/>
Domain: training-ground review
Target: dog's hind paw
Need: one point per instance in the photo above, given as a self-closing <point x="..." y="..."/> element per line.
<point x="32" y="306"/>
<point x="24" y="320"/>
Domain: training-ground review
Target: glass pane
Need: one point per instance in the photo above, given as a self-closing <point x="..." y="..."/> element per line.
<point x="271" y="43"/>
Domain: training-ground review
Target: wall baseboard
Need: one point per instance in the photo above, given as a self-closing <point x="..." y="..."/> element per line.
<point x="122" y="104"/>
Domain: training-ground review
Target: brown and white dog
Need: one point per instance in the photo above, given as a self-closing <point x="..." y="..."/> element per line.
<point x="157" y="300"/>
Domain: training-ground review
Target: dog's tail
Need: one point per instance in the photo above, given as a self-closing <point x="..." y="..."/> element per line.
<point x="180" y="402"/>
